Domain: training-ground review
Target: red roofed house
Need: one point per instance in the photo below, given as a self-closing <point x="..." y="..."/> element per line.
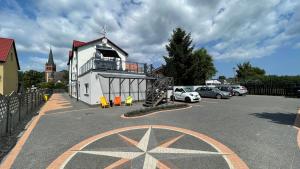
<point x="9" y="66"/>
<point x="100" y="68"/>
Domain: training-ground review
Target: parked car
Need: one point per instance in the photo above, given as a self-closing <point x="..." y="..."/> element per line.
<point x="185" y="94"/>
<point x="226" y="88"/>
<point x="239" y="90"/>
<point x="213" y="92"/>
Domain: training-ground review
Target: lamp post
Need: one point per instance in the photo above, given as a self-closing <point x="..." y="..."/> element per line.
<point x="234" y="71"/>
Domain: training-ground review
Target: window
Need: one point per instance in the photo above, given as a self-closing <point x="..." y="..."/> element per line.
<point x="86" y="85"/>
<point x="11" y="57"/>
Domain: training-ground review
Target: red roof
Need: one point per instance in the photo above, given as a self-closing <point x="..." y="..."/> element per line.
<point x="5" y="46"/>
<point x="78" y="43"/>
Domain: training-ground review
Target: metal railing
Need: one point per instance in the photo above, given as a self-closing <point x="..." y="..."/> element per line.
<point x="16" y="107"/>
<point x="117" y="65"/>
<point x="157" y="91"/>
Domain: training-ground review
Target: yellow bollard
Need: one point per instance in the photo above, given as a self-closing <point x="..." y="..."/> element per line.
<point x="46" y="97"/>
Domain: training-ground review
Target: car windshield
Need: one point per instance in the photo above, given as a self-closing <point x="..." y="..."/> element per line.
<point x="188" y="90"/>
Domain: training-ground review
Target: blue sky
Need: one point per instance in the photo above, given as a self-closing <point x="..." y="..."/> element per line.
<point x="264" y="32"/>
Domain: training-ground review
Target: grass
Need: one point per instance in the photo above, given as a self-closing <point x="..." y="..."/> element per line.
<point x="149" y="110"/>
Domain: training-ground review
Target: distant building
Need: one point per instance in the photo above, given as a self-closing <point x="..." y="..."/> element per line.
<point x="9" y="66"/>
<point x="50" y="68"/>
<point x="158" y="72"/>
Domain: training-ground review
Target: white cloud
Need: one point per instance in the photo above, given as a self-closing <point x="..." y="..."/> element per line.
<point x="237" y="29"/>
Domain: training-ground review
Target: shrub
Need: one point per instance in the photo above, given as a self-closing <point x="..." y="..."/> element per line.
<point x="149" y="110"/>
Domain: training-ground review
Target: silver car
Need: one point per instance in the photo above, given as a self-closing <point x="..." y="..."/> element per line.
<point x="213" y="92"/>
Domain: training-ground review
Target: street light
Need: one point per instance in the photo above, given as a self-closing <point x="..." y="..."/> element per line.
<point x="234" y="71"/>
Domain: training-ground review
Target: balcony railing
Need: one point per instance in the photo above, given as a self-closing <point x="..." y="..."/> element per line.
<point x="117" y="65"/>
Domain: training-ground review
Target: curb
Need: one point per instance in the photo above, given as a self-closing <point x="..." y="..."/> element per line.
<point x="153" y="113"/>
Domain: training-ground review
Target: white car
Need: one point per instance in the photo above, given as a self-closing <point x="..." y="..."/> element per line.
<point x="239" y="90"/>
<point x="186" y="95"/>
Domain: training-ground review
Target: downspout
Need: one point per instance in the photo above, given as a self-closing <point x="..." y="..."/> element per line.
<point x="77" y="74"/>
<point x="71" y="83"/>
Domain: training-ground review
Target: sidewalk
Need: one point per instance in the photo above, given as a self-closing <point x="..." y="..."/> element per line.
<point x="56" y="102"/>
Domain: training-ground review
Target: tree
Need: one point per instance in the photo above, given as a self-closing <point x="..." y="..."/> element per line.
<point x="33" y="77"/>
<point x="180" y="58"/>
<point x="222" y="78"/>
<point x="203" y="67"/>
<point x="247" y="72"/>
<point x="65" y="76"/>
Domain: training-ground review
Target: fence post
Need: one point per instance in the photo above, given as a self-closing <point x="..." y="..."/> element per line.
<point x="32" y="103"/>
<point x="20" y="105"/>
<point x="27" y="102"/>
<point x="7" y="116"/>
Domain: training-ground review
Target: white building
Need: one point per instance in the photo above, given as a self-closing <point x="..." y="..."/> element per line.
<point x="100" y="68"/>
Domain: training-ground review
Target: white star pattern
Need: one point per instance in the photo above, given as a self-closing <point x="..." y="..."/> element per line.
<point x="150" y="162"/>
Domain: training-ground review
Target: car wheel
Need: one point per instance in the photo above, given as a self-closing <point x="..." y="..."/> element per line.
<point x="172" y="98"/>
<point x="187" y="99"/>
<point x="236" y="93"/>
<point x="219" y="96"/>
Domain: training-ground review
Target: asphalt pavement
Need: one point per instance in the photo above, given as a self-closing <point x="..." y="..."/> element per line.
<point x="256" y="130"/>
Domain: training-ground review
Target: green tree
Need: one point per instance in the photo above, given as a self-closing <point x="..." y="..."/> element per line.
<point x="203" y="67"/>
<point x="180" y="58"/>
<point x="246" y="72"/>
<point x="65" y="76"/>
<point x="33" y="77"/>
<point x="222" y="78"/>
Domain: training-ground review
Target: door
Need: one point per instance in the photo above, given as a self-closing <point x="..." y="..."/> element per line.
<point x="179" y="94"/>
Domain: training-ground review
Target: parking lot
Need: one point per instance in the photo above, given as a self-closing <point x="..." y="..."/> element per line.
<point x="242" y="132"/>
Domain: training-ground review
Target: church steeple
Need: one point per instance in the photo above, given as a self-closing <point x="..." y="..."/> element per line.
<point x="50" y="58"/>
<point x="50" y="68"/>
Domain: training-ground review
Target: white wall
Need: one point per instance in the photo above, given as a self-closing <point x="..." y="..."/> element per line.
<point x="99" y="86"/>
<point x="83" y="96"/>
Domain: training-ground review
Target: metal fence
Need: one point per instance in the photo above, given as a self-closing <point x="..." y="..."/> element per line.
<point x="288" y="90"/>
<point x="16" y="107"/>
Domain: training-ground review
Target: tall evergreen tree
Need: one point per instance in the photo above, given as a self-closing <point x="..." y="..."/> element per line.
<point x="180" y="58"/>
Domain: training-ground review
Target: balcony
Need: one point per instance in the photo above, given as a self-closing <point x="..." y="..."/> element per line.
<point x="115" y="65"/>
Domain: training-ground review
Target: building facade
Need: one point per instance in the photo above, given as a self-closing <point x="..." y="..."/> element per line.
<point x="100" y="68"/>
<point x="9" y="66"/>
<point x="50" y="68"/>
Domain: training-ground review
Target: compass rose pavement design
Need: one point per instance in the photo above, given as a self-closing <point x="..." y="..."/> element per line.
<point x="149" y="147"/>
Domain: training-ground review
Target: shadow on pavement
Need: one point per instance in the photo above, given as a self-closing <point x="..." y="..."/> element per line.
<point x="279" y="118"/>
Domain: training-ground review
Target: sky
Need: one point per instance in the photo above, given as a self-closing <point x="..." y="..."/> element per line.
<point x="264" y="32"/>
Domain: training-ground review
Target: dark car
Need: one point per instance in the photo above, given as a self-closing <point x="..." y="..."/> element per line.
<point x="226" y="89"/>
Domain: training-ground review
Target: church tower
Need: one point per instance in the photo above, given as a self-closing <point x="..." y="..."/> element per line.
<point x="50" y="68"/>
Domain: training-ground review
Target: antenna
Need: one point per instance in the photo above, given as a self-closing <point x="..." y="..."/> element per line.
<point x="104" y="31"/>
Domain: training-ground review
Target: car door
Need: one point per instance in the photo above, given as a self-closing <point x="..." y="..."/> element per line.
<point x="177" y="94"/>
<point x="181" y="94"/>
<point x="202" y="91"/>
<point x="210" y="92"/>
